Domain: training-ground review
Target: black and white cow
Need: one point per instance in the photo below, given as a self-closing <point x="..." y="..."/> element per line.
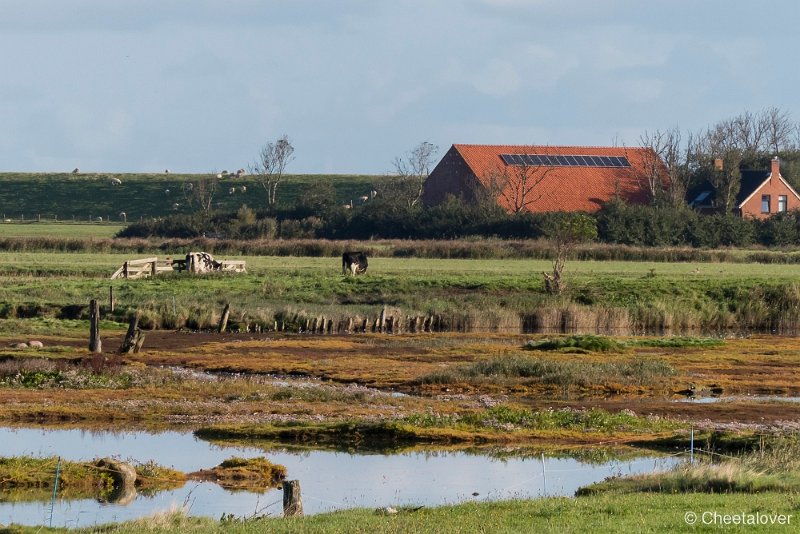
<point x="355" y="262"/>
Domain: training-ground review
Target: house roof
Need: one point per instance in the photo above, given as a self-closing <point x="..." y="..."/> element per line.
<point x="750" y="182"/>
<point x="570" y="187"/>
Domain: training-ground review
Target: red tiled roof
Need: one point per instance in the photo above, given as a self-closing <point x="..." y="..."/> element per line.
<point x="569" y="188"/>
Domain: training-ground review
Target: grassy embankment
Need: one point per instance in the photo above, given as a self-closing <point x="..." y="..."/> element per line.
<point x="644" y="513"/>
<point x="82" y="197"/>
<point x="31" y="479"/>
<point x="464" y="295"/>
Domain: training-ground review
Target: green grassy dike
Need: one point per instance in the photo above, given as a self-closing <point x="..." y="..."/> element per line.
<point x="639" y="513"/>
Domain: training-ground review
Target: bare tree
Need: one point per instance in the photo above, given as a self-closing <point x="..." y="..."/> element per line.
<point x="779" y="130"/>
<point x="199" y="194"/>
<point x="411" y="171"/>
<point x="516" y="184"/>
<point x="566" y="230"/>
<point x="668" y="150"/>
<point x="268" y="169"/>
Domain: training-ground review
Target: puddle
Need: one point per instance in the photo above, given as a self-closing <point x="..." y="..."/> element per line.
<point x="329" y="480"/>
<point x="739" y="398"/>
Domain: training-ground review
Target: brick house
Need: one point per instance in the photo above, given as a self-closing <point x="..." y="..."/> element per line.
<point x="546" y="178"/>
<point x="761" y="194"/>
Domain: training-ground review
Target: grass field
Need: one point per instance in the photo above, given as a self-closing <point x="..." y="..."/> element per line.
<point x="86" y="196"/>
<point x="60" y="229"/>
<point x="641" y="513"/>
<point x="487" y="294"/>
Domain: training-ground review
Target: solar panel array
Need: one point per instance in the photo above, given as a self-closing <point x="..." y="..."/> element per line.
<point x="543" y="160"/>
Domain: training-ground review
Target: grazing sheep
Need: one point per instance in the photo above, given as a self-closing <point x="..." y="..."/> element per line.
<point x="115" y="181"/>
<point x="363" y="199"/>
<point x="123" y="216"/>
<point x="232" y="190"/>
<point x="75" y="170"/>
<point x="35" y="344"/>
<point x="219" y="175"/>
<point x="176" y="206"/>
<point x="99" y="219"/>
<point x="225" y="173"/>
<point x="166" y="191"/>
<point x="241" y="172"/>
<point x="243" y="189"/>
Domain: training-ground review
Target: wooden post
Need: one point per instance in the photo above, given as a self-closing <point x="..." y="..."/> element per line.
<point x="95" y="345"/>
<point x="154" y="268"/>
<point x="111" y="298"/>
<point x="223" y="321"/>
<point x="130" y="338"/>
<point x="125" y="270"/>
<point x="292" y="502"/>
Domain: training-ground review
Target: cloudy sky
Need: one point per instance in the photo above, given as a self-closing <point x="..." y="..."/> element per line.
<point x="201" y="85"/>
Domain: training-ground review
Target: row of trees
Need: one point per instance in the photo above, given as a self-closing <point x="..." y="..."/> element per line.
<point x="719" y="154"/>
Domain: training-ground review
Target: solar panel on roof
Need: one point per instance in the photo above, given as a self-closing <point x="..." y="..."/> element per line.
<point x="564" y="160"/>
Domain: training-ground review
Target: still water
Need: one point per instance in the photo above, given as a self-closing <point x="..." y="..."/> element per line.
<point x="329" y="480"/>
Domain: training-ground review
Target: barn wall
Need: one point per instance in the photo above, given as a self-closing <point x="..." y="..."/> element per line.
<point x="452" y="176"/>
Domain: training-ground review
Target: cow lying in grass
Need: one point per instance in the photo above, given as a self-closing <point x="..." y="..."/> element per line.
<point x="354" y="262"/>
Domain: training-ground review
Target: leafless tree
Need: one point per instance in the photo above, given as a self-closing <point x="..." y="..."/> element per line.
<point x="199" y="194"/>
<point x="779" y="128"/>
<point x="516" y="184"/>
<point x="410" y="173"/>
<point x="669" y="149"/>
<point x="268" y="169"/>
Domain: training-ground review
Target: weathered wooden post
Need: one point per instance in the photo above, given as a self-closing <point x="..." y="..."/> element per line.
<point x="111" y="298"/>
<point x="223" y="321"/>
<point x="130" y="338"/>
<point x="292" y="502"/>
<point x="154" y="268"/>
<point x="95" y="345"/>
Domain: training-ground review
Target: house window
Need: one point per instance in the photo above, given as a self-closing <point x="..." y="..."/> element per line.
<point x="765" y="203"/>
<point x="781" y="203"/>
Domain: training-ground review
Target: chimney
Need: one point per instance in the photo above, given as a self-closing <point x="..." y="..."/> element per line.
<point x="776" y="167"/>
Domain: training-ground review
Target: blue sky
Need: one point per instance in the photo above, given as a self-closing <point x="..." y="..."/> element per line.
<point x="201" y="85"/>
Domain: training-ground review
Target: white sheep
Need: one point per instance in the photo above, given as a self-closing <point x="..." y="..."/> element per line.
<point x="115" y="181"/>
<point x="232" y="190"/>
<point x="243" y="189"/>
<point x="166" y="191"/>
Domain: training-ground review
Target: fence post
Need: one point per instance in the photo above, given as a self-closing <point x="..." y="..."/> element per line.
<point x="544" y="476"/>
<point x="111" y="298"/>
<point x="223" y="321"/>
<point x="292" y="502"/>
<point x="95" y="345"/>
<point x="691" y="447"/>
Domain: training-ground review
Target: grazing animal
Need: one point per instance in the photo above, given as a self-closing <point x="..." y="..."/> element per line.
<point x="75" y="170"/>
<point x="241" y="172"/>
<point x="115" y="181"/>
<point x="243" y="189"/>
<point x="232" y="190"/>
<point x="166" y="171"/>
<point x="202" y="262"/>
<point x="354" y="262"/>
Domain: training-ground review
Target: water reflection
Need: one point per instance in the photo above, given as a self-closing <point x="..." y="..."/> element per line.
<point x="330" y="480"/>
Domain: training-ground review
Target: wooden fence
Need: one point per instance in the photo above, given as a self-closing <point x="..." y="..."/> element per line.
<point x="147" y="267"/>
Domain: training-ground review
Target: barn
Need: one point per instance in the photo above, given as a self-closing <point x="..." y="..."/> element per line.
<point x="546" y="178"/>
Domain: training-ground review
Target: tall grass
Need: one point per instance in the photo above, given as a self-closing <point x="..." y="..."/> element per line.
<point x="566" y="374"/>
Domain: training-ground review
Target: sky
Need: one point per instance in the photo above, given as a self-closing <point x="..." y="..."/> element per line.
<point x="202" y="85"/>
